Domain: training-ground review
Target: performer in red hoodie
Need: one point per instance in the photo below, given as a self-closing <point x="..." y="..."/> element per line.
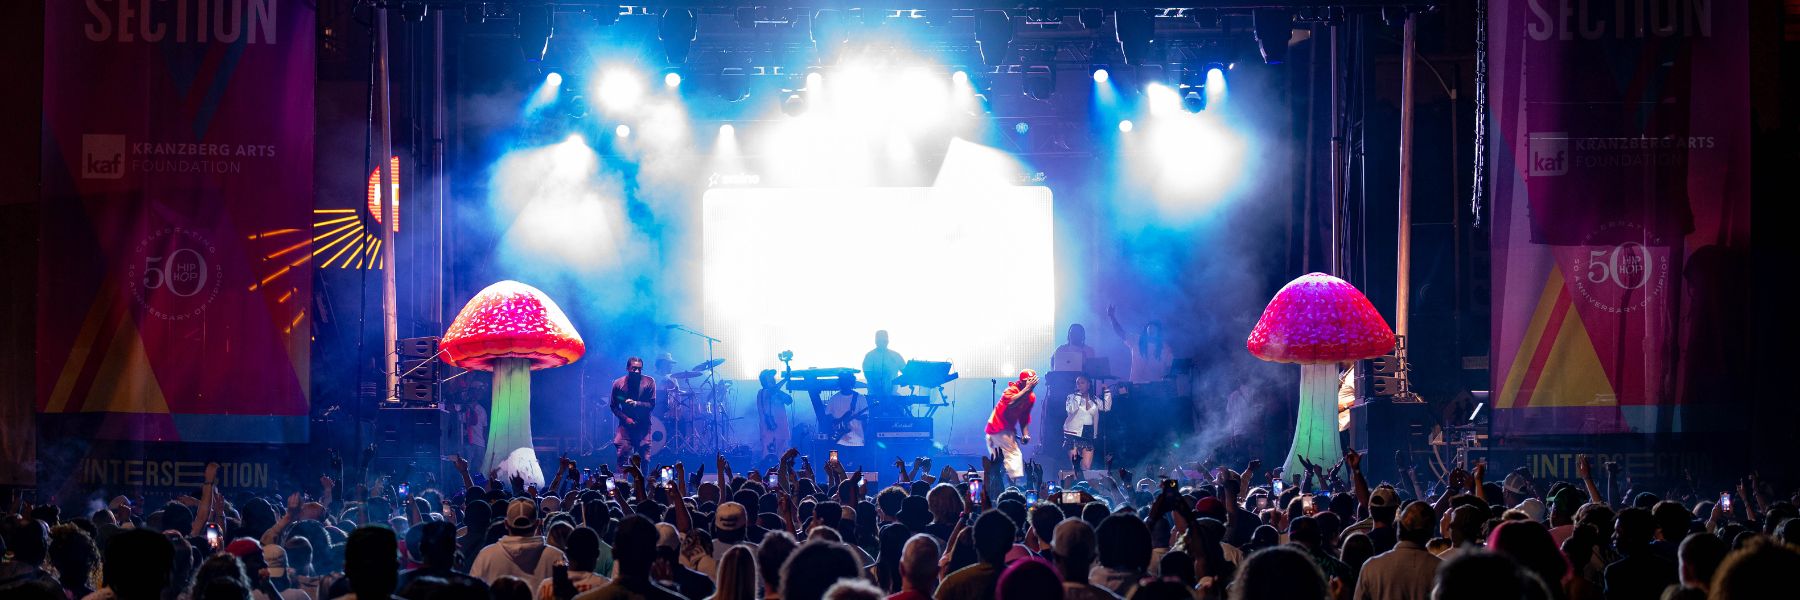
<point x="1008" y="427"/>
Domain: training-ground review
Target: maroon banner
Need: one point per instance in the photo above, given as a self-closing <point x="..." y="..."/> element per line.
<point x="176" y="240"/>
<point x="1621" y="214"/>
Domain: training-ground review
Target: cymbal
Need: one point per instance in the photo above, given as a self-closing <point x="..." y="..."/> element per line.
<point x="686" y="374"/>
<point x="708" y="365"/>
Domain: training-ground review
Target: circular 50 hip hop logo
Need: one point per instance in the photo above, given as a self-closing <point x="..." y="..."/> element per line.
<point x="174" y="273"/>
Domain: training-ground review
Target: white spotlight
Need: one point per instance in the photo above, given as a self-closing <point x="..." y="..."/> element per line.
<point x="1163" y="99"/>
<point x="813" y="80"/>
<point x="672" y="79"/>
<point x="554" y="79"/>
<point x="623" y="131"/>
<point x="620" y="90"/>
<point x="959" y="78"/>
<point x="1125" y="126"/>
<point x="1101" y="76"/>
<point x="727" y="130"/>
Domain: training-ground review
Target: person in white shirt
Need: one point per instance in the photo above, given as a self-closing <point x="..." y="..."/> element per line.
<point x="847" y="409"/>
<point x="1081" y="426"/>
<point x="521" y="553"/>
<point x="1151" y="358"/>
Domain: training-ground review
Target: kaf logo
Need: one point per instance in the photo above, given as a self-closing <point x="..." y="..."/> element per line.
<point x="102" y="156"/>
<point x="1549" y="154"/>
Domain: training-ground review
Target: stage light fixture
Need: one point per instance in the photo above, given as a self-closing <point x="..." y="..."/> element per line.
<point x="604" y="16"/>
<point x="1205" y="18"/>
<point x="794" y="105"/>
<point x="1125" y="126"/>
<point x="575" y="106"/>
<point x="1194" y="100"/>
<point x="1093" y="18"/>
<point x="960" y="77"/>
<point x="726" y="130"/>
<point x="1022" y="127"/>
<point x="993" y="32"/>
<point x="676" y="30"/>
<point x="672" y="78"/>
<point x="734" y="85"/>
<point x="414" y="12"/>
<point x="537" y="24"/>
<point x="1273" y="30"/>
<point x="1039" y="83"/>
<point x="554" y="80"/>
<point x="1100" y="75"/>
<point x="828" y="34"/>
<point x="1135" y="30"/>
<point x="622" y="130"/>
<point x="476" y="14"/>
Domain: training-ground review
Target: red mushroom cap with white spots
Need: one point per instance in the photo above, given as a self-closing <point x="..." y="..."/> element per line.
<point x="511" y="320"/>
<point x="1318" y="319"/>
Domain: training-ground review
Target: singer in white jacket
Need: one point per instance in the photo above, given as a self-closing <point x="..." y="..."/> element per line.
<point x="1081" y="427"/>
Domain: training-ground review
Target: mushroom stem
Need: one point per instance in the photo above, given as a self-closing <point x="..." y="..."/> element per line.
<point x="1315" y="427"/>
<point x="509" y="419"/>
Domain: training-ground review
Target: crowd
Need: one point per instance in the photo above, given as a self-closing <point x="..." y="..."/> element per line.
<point x="790" y="533"/>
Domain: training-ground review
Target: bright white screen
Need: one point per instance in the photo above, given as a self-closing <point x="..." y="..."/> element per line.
<point x="958" y="274"/>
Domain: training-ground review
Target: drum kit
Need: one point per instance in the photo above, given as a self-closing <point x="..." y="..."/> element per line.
<point x="696" y="419"/>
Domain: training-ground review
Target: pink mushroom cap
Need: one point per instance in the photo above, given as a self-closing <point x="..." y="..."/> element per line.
<point x="511" y="320"/>
<point x="1316" y="319"/>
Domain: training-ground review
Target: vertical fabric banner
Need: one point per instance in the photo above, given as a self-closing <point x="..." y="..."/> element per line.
<point x="1621" y="203"/>
<point x="176" y="236"/>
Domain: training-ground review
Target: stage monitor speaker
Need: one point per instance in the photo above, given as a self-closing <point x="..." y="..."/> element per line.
<point x="422" y="369"/>
<point x="1380" y="428"/>
<point x="416" y="348"/>
<point x="415" y="393"/>
<point x="412" y="432"/>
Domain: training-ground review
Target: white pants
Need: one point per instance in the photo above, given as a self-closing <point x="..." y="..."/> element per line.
<point x="1008" y="445"/>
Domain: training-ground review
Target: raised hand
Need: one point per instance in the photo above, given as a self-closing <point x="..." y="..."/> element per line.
<point x="1352" y="460"/>
<point x="212" y="472"/>
<point x="293" y="502"/>
<point x="462" y="464"/>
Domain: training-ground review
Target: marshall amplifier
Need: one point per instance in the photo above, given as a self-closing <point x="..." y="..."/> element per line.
<point x="901" y="428"/>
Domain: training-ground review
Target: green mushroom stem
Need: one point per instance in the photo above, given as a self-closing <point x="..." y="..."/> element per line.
<point x="1315" y="427"/>
<point x="509" y="419"/>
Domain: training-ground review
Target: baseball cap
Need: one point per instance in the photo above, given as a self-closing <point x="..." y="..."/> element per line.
<point x="521" y="514"/>
<point x="730" y="517"/>
<point x="243" y="547"/>
<point x="1383" y="497"/>
<point x="1210" y="507"/>
<point x="1515" y="483"/>
<point x="1533" y="507"/>
<point x="1027" y="374"/>
<point x="276" y="558"/>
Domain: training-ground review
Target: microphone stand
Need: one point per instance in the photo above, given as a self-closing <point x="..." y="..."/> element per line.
<point x="711" y="376"/>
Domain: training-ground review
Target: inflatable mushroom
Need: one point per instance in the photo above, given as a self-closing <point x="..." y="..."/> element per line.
<point x="1318" y="321"/>
<point x="511" y="329"/>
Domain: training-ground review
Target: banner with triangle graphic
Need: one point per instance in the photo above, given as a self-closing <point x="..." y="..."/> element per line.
<point x="1620" y="146"/>
<point x="174" y="269"/>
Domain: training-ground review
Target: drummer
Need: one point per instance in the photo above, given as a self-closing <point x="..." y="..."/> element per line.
<point x="668" y="387"/>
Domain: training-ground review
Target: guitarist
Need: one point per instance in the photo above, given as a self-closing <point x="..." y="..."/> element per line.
<point x="772" y="409"/>
<point x="847" y="409"/>
<point x="633" y="399"/>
